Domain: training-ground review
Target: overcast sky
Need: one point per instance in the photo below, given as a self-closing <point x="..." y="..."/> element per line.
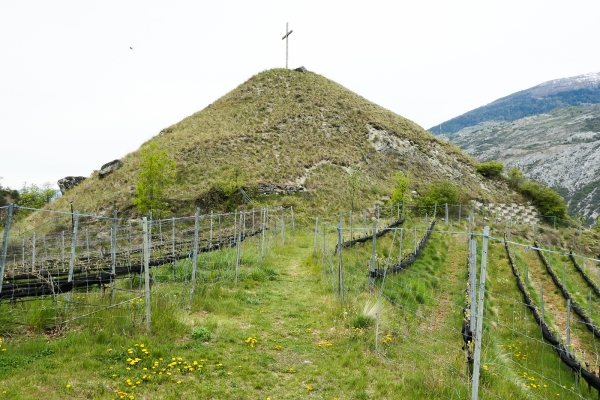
<point x="73" y="96"/>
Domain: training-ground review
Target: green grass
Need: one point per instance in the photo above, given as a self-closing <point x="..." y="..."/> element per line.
<point x="282" y="332"/>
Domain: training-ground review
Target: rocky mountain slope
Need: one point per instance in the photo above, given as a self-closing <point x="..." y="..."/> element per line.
<point x="558" y="93"/>
<point x="560" y="148"/>
<point x="289" y="128"/>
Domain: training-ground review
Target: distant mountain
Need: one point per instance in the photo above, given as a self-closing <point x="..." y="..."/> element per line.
<point x="560" y="149"/>
<point x="575" y="91"/>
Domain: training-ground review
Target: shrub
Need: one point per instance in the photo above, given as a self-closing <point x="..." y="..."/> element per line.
<point x="156" y="174"/>
<point x="401" y="189"/>
<point x="515" y="178"/>
<point x="362" y="321"/>
<point x="490" y="169"/>
<point x="438" y="193"/>
<point x="548" y="202"/>
<point x="201" y="334"/>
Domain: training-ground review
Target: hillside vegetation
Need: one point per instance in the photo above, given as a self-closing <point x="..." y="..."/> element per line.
<point x="290" y="128"/>
<point x="283" y="332"/>
<point x="560" y="149"/>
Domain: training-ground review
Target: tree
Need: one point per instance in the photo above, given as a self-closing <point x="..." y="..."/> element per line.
<point x="33" y="196"/>
<point x="515" y="178"/>
<point x="354" y="181"/>
<point x="156" y="174"/>
<point x="8" y="195"/>
<point x="401" y="189"/>
<point x="491" y="169"/>
<point x="438" y="193"/>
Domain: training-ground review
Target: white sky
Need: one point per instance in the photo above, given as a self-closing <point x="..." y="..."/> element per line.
<point x="73" y="96"/>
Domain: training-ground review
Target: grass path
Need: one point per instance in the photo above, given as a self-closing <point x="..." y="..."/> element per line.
<point x="283" y="333"/>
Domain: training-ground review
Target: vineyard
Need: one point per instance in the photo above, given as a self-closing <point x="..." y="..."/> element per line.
<point x="391" y="302"/>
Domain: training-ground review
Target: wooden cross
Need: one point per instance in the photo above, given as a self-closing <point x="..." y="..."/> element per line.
<point x="287" y="33"/>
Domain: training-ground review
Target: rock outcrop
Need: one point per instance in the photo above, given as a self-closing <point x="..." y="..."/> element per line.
<point x="268" y="189"/>
<point x="560" y="149"/>
<point x="69" y="182"/>
<point x="109" y="167"/>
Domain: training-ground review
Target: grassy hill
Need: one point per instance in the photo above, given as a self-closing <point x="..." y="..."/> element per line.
<point x="289" y="128"/>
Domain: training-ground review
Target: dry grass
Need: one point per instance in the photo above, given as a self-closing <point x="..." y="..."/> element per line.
<point x="275" y="126"/>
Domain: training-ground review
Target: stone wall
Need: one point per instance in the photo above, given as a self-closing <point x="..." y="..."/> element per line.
<point x="269" y="189"/>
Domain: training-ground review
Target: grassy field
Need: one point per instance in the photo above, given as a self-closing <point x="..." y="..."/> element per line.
<point x="282" y="331"/>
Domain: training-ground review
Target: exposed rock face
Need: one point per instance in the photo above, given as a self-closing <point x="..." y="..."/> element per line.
<point x="69" y="182"/>
<point x="268" y="189"/>
<point x="301" y="69"/>
<point x="110" y="167"/>
<point x="560" y="149"/>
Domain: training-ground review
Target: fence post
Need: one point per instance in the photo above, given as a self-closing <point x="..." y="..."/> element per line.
<point x="282" y="226"/>
<point x="33" y="253"/>
<point x="293" y="223"/>
<point x="590" y="302"/>
<point x="446" y="214"/>
<point x="478" y="333"/>
<point x="471" y="217"/>
<point x="211" y="230"/>
<point x="373" y="258"/>
<point x="146" y="254"/>
<point x="403" y="215"/>
<point x="238" y="249"/>
<point x="113" y="256"/>
<point x="263" y="215"/>
<point x="73" y="246"/>
<point x="340" y="270"/>
<point x="150" y="231"/>
<point x="542" y="300"/>
<point x="415" y="239"/>
<point x="316" y="232"/>
<point x="473" y="282"/>
<point x="434" y="210"/>
<point x="195" y="254"/>
<point x="459" y="212"/>
<point x="234" y="225"/>
<point x="569" y="326"/>
<point x="400" y="249"/>
<point x="5" y="244"/>
<point x="62" y="250"/>
<point x="351" y="235"/>
<point x="87" y="244"/>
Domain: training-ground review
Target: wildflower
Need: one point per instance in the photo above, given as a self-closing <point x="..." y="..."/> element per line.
<point x="178" y="382"/>
<point x="309" y="388"/>
<point x="68" y="385"/>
